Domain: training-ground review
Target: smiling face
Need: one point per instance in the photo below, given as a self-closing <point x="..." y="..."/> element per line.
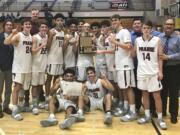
<point x="34" y="14"/>
<point x="73" y="28"/>
<point x="43" y="29"/>
<point x="137" y="25"/>
<point x="169" y="26"/>
<point x="27" y="26"/>
<point x="91" y="75"/>
<point x="115" y="23"/>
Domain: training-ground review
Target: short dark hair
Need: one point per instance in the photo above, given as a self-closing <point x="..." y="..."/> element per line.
<point x="69" y="71"/>
<point x="105" y="23"/>
<point x="116" y="16"/>
<point x="148" y="23"/>
<point x="95" y="24"/>
<point x="25" y="20"/>
<point x="43" y="22"/>
<point x="90" y="68"/>
<point x="137" y="19"/>
<point x="72" y="21"/>
<point x="59" y="15"/>
<point x="169" y="18"/>
<point x="81" y="20"/>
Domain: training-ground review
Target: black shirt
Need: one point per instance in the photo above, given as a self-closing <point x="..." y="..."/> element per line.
<point x="6" y="54"/>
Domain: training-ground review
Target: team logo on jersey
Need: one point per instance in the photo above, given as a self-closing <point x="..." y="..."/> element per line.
<point x="146" y="49"/>
<point x="27" y="42"/>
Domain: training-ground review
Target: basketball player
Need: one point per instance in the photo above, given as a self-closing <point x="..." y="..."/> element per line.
<point x="39" y="61"/>
<point x="21" y="69"/>
<point x="84" y="60"/>
<point x="71" y="49"/>
<point x="110" y="62"/>
<point x="149" y="72"/>
<point x="98" y="42"/>
<point x="98" y="94"/>
<point x="63" y="102"/>
<point x="124" y="66"/>
<point x="55" y="54"/>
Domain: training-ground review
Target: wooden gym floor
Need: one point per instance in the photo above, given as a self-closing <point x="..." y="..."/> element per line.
<point x="92" y="126"/>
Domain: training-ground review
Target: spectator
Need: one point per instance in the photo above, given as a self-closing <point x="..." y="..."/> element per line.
<point x="171" y="57"/>
<point x="6" y="58"/>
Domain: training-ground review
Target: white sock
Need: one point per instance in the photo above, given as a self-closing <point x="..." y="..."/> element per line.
<point x="120" y="103"/>
<point x="51" y="116"/>
<point x="47" y="99"/>
<point x="147" y="113"/>
<point x="159" y="115"/>
<point x="80" y="111"/>
<point x="115" y="100"/>
<point x="21" y="103"/>
<point x="14" y="108"/>
<point x="132" y="108"/>
<point x="126" y="106"/>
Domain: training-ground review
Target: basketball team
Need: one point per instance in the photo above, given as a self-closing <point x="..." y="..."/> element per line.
<point x="125" y="71"/>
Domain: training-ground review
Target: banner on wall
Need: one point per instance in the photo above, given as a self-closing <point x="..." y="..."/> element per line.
<point x="119" y="4"/>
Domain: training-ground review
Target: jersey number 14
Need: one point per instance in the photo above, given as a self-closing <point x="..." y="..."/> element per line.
<point x="146" y="56"/>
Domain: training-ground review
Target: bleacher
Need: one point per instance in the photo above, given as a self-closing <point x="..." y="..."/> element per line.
<point x="67" y="5"/>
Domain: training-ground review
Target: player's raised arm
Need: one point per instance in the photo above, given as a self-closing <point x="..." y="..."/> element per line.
<point x="13" y="38"/>
<point x="106" y="83"/>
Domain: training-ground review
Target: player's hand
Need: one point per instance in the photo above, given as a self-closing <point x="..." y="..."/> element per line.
<point x="94" y="40"/>
<point x="52" y="32"/>
<point x="15" y="31"/>
<point x="160" y="76"/>
<point x="103" y="76"/>
<point x="99" y="52"/>
<point x="164" y="57"/>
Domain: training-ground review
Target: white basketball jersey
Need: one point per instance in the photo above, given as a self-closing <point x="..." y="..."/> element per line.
<point x="95" y="89"/>
<point x="100" y="58"/>
<point x="39" y="60"/>
<point x="123" y="58"/>
<point x="22" y="55"/>
<point x="147" y="55"/>
<point x="110" y="58"/>
<point x="69" y="55"/>
<point x="55" y="55"/>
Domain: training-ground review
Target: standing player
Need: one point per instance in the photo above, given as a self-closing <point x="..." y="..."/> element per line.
<point x="149" y="72"/>
<point x="39" y="61"/>
<point x="98" y="42"/>
<point x="110" y="62"/>
<point x="84" y="60"/>
<point x="124" y="66"/>
<point x="71" y="49"/>
<point x="55" y="54"/>
<point x="21" y="69"/>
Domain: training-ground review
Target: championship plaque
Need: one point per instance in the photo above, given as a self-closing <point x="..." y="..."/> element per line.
<point x="85" y="45"/>
<point x="71" y="88"/>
